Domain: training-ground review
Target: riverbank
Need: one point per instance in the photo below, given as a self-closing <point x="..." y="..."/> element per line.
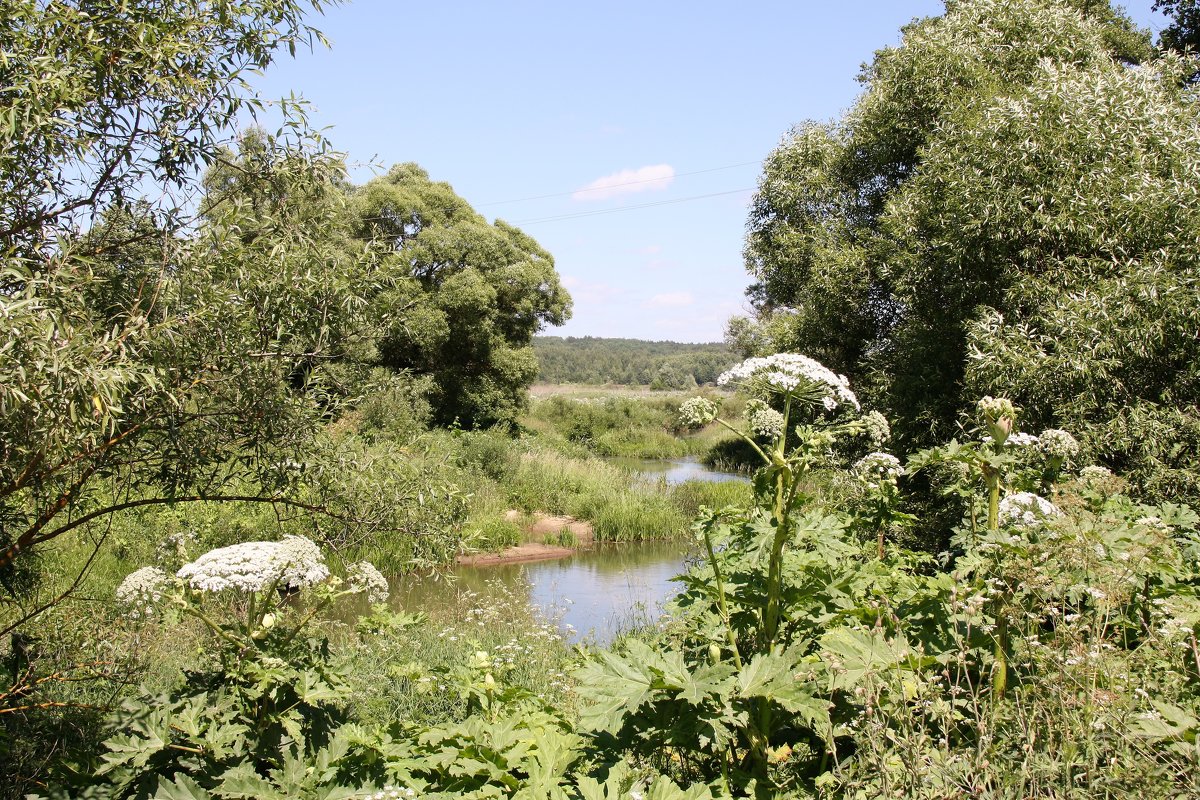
<point x="547" y="536"/>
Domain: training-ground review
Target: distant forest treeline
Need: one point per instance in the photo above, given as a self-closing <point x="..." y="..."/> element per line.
<point x="659" y="365"/>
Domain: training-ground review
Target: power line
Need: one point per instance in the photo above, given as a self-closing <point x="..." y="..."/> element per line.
<point x="617" y="185"/>
<point x="628" y="208"/>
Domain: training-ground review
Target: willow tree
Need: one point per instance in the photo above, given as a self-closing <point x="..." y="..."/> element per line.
<point x="1009" y="209"/>
<point x="460" y="298"/>
<point x="145" y="354"/>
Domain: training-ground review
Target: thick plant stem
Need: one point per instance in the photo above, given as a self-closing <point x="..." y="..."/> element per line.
<point x="1000" y="670"/>
<point x="729" y="635"/>
<point x="784" y="481"/>
<point x="992" y="479"/>
<point x="784" y="495"/>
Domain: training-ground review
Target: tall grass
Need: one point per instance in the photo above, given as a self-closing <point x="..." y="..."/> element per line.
<point x="620" y="425"/>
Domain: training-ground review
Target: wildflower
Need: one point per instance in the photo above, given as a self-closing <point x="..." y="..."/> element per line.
<point x="876" y="427"/>
<point x="1021" y="440"/>
<point x="1025" y="508"/>
<point x="142" y="589"/>
<point x="767" y="423"/>
<point x="998" y="414"/>
<point x="363" y="577"/>
<point x="696" y="412"/>
<point x="877" y="468"/>
<point x="1152" y="522"/>
<point x="294" y="562"/>
<point x="303" y="563"/>
<point x="1095" y="472"/>
<point x="1057" y="443"/>
<point x="788" y="372"/>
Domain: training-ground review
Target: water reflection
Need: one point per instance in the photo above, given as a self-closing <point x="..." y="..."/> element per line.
<point x="594" y="594"/>
<point x="675" y="471"/>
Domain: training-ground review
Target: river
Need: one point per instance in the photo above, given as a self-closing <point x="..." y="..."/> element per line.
<point x="594" y="593"/>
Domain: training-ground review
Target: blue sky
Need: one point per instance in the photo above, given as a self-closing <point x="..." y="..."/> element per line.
<point x="678" y="102"/>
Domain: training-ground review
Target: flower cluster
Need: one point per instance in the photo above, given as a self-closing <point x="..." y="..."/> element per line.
<point x="878" y="468"/>
<point x="998" y="414"/>
<point x="141" y="590"/>
<point x="767" y="423"/>
<point x="996" y="407"/>
<point x="696" y="412"/>
<point x="787" y="372"/>
<point x="1057" y="443"/>
<point x="392" y="793"/>
<point x="1095" y="472"/>
<point x="876" y="427"/>
<point x="363" y="577"/>
<point x="1024" y="509"/>
<point x="294" y="562"/>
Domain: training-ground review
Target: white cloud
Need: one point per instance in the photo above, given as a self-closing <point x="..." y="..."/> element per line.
<point x="628" y="181"/>
<point x="590" y="292"/>
<point x="670" y="300"/>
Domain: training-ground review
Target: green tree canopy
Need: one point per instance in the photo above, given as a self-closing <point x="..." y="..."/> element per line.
<point x="1183" y="34"/>
<point x="146" y="354"/>
<point x="1009" y="209"/>
<point x="460" y="298"/>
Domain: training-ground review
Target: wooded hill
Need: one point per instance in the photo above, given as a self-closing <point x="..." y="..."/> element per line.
<point x="596" y="360"/>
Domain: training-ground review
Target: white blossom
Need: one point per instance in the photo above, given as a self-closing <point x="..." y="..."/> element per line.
<point x="875" y="468"/>
<point x="363" y="577"/>
<point x="1025" y="509"/>
<point x="696" y="412"/>
<point x="142" y="589"/>
<point x="1057" y="443"/>
<point x="996" y="407"/>
<point x="294" y="562"/>
<point x="767" y="423"/>
<point x="1095" y="472"/>
<point x="876" y="426"/>
<point x="303" y="563"/>
<point x="787" y="372"/>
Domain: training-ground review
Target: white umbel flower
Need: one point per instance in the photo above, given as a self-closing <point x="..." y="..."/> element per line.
<point x="1024" y="509"/>
<point x="876" y="427"/>
<point x="363" y="577"/>
<point x="787" y="372"/>
<point x="1057" y="443"/>
<point x="696" y="412"/>
<point x="302" y="562"/>
<point x="294" y="562"/>
<point x="142" y="589"/>
<point x="767" y="423"/>
<point x="875" y="468"/>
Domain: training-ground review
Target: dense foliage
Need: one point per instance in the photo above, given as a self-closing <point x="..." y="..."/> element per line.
<point x="147" y="360"/>
<point x="459" y="299"/>
<point x="1010" y="208"/>
<point x="1183" y="34"/>
<point x="661" y="365"/>
<point x="221" y="361"/>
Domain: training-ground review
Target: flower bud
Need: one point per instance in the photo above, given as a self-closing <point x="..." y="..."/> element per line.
<point x="714" y="653"/>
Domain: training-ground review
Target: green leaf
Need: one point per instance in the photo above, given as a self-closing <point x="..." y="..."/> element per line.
<point x="182" y="788"/>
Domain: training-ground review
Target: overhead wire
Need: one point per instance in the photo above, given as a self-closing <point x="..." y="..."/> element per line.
<point x="619" y="185"/>
<point x="600" y="211"/>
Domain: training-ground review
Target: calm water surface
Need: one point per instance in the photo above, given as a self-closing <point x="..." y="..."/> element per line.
<point x="676" y="470"/>
<point x="594" y="593"/>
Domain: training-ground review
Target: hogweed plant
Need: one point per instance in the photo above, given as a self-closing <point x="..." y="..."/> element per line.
<point x="266" y="716"/>
<point x="741" y="676"/>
